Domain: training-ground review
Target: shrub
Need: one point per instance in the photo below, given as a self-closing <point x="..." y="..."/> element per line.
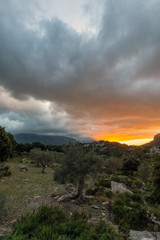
<point x="129" y="209"/>
<point x="144" y="171"/>
<point x="41" y="158"/>
<point x="77" y="165"/>
<point x="4" y="171"/>
<point x="53" y="223"/>
<point x="3" y="210"/>
<point x="103" y="181"/>
<point x="109" y="193"/>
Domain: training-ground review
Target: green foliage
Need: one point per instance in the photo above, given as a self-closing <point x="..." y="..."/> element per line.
<point x="3" y="210"/>
<point x="41" y="158"/>
<point x="109" y="193"/>
<point x="13" y="144"/>
<point x="103" y="182"/>
<point x="113" y="164"/>
<point x="129" y="209"/>
<point x="77" y="164"/>
<point x="5" y="145"/>
<point x="4" y="171"/>
<point x="52" y="223"/>
<point x="144" y="171"/>
<point x="130" y="164"/>
<point x="154" y="196"/>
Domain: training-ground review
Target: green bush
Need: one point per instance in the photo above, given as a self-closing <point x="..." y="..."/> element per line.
<point x="54" y="224"/>
<point x="3" y="210"/>
<point x="4" y="171"/>
<point x="109" y="193"/>
<point x="129" y="209"/>
<point x="103" y="182"/>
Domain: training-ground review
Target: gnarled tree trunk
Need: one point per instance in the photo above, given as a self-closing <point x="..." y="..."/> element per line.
<point x="80" y="188"/>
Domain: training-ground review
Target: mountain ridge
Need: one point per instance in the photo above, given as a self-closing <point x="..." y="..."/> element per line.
<point x="44" y="139"/>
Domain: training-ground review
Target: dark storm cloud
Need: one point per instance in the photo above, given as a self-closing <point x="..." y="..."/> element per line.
<point x="114" y="74"/>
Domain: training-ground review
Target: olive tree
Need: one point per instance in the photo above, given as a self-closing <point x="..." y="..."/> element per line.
<point x="41" y="158"/>
<point x="77" y="164"/>
<point x="5" y="145"/>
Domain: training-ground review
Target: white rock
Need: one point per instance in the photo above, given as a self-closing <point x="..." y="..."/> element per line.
<point x="37" y="197"/>
<point x="119" y="187"/>
<point x="143" y="235"/>
<point x="95" y="207"/>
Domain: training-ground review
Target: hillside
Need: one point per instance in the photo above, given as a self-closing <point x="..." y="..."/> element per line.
<point x="44" y="139"/>
<point x="154" y="142"/>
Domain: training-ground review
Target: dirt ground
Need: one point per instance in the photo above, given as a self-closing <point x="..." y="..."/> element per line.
<point x="26" y="191"/>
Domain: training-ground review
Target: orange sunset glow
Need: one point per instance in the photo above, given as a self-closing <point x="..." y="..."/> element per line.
<point x="90" y="75"/>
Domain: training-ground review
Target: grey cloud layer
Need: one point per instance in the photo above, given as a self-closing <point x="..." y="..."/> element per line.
<point x="112" y="74"/>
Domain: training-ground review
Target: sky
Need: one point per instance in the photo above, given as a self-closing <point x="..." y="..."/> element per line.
<point x="84" y="68"/>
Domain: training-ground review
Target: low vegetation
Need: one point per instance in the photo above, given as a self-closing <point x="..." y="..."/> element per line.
<point x="90" y="170"/>
<point x="54" y="224"/>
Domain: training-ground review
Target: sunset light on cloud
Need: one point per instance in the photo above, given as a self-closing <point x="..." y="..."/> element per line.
<point x="84" y="68"/>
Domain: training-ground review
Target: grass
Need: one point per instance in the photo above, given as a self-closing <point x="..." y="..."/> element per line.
<point x="21" y="188"/>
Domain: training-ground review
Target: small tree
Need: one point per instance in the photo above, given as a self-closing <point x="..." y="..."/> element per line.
<point x="41" y="158"/>
<point x="13" y="144"/>
<point x="130" y="164"/>
<point x="77" y="164"/>
<point x="155" y="178"/>
<point x="5" y="146"/>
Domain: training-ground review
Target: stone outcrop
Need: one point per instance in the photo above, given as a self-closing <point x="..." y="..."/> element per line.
<point x="144" y="235"/>
<point x="156" y="139"/>
<point x="66" y="197"/>
<point x="119" y="187"/>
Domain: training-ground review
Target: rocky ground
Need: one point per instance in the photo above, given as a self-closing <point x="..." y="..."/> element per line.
<point x="26" y="191"/>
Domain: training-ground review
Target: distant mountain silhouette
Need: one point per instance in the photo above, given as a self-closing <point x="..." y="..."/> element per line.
<point x="44" y="139"/>
<point x="155" y="142"/>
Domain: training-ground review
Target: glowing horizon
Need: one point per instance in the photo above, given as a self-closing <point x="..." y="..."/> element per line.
<point x="81" y="68"/>
<point x="129" y="140"/>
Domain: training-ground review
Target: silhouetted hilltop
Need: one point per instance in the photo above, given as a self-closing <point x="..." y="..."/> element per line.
<point x="155" y="142"/>
<point x="44" y="139"/>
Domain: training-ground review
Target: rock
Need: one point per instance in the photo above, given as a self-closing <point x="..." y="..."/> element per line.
<point x="13" y="221"/>
<point x="3" y="230"/>
<point x="56" y="197"/>
<point x="119" y="187"/>
<point x="154" y="149"/>
<point x="94" y="219"/>
<point x="37" y="197"/>
<point x="156" y="139"/>
<point x="22" y="168"/>
<point x="95" y="207"/>
<point x="103" y="214"/>
<point x="65" y="197"/>
<point x="105" y="203"/>
<point x="2" y="236"/>
<point x="143" y="235"/>
<point x="89" y="197"/>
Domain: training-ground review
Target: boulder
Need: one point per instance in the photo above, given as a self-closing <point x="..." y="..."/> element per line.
<point x="144" y="235"/>
<point x="22" y="168"/>
<point x="95" y="207"/>
<point x="119" y="187"/>
<point x="66" y="197"/>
